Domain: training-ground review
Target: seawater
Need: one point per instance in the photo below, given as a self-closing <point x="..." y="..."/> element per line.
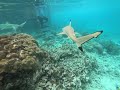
<point x="88" y="15"/>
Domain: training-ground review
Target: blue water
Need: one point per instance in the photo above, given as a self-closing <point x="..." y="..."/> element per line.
<point x="88" y="15"/>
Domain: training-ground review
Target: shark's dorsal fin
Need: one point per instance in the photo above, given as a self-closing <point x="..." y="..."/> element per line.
<point x="14" y="28"/>
<point x="70" y="23"/>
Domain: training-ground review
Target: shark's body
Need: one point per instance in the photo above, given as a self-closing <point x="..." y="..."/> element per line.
<point x="69" y="31"/>
<point x="10" y="26"/>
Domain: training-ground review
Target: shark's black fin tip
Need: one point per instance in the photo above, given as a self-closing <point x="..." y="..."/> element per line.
<point x="101" y="31"/>
<point x="80" y="48"/>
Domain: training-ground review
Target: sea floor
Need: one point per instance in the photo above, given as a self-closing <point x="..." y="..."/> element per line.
<point x="107" y="76"/>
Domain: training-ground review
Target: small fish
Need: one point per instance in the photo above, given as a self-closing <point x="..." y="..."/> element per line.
<point x="7" y="26"/>
<point x="69" y="31"/>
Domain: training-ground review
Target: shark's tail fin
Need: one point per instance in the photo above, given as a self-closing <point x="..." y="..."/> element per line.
<point x="83" y="39"/>
<point x="21" y="25"/>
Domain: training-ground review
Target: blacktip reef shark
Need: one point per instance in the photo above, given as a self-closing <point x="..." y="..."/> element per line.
<point x="69" y="31"/>
<point x="7" y="26"/>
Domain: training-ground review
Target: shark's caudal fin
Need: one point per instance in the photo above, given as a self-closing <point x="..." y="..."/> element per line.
<point x="86" y="38"/>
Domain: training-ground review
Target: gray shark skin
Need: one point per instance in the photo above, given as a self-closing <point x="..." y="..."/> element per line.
<point x="69" y="31"/>
<point x="6" y="26"/>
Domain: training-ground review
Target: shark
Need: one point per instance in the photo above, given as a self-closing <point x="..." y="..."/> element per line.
<point x="9" y="26"/>
<point x="69" y="31"/>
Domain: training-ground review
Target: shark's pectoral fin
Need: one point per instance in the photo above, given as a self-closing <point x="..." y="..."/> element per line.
<point x="61" y="33"/>
<point x="68" y="37"/>
<point x="77" y="33"/>
<point x="21" y="25"/>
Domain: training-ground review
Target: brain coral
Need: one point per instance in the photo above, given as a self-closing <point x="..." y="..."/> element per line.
<point x="18" y="52"/>
<point x="19" y="55"/>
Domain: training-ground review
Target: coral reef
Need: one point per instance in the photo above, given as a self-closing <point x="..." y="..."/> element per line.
<point x="68" y="70"/>
<point x="19" y="57"/>
<point x="111" y="47"/>
<point x="18" y="51"/>
<point x="106" y="47"/>
<point x="95" y="47"/>
<point x="25" y="66"/>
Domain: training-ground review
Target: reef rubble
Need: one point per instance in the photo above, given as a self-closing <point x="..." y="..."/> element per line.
<point x="76" y="66"/>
